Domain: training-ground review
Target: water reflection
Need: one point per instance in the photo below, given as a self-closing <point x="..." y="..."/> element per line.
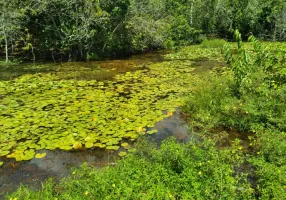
<point x="99" y="70"/>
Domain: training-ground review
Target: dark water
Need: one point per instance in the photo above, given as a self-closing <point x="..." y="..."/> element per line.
<point x="99" y="70"/>
<point x="174" y="126"/>
<point x="56" y="164"/>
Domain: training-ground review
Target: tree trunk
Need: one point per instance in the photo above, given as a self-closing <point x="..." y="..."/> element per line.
<point x="191" y="13"/>
<point x="275" y="32"/>
<point x="34" y="56"/>
<point x="6" y="48"/>
<point x="6" y="42"/>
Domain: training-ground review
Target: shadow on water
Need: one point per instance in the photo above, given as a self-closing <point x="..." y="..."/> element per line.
<point x="98" y="70"/>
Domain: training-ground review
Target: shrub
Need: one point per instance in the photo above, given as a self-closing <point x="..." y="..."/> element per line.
<point x="270" y="164"/>
<point x="212" y="103"/>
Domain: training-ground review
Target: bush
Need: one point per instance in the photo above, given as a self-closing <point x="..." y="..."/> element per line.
<point x="212" y="103"/>
<point x="253" y="99"/>
<point x="270" y="164"/>
<point x="248" y="96"/>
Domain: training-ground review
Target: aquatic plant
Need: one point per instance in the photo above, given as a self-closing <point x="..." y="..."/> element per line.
<point x="43" y="112"/>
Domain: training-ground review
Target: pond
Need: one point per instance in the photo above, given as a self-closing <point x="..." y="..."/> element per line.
<point x="57" y="116"/>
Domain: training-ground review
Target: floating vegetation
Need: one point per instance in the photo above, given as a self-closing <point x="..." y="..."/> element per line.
<point x="40" y="155"/>
<point x="44" y="112"/>
<point x="122" y="153"/>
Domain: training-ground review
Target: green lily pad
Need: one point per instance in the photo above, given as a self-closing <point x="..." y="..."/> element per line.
<point x="4" y="153"/>
<point x="133" y="150"/>
<point x="152" y="131"/>
<point x="40" y="155"/>
<point x="125" y="144"/>
<point x="88" y="145"/>
<point x="77" y="145"/>
<point x="122" y="154"/>
<point x="112" y="148"/>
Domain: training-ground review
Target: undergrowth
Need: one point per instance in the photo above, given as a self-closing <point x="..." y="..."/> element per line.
<point x="174" y="171"/>
<point x="248" y="96"/>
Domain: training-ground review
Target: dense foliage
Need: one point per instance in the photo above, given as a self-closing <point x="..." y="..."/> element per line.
<point x="249" y="96"/>
<point x="92" y="29"/>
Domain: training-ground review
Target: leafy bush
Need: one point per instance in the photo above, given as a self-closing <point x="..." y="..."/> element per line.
<point x="269" y="165"/>
<point x="260" y="82"/>
<point x="249" y="97"/>
<point x="210" y="100"/>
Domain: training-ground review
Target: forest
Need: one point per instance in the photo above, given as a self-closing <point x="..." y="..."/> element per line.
<point x="149" y="99"/>
<point x="74" y="30"/>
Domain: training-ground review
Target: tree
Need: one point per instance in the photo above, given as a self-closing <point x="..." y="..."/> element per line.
<point x="147" y="25"/>
<point x="10" y="24"/>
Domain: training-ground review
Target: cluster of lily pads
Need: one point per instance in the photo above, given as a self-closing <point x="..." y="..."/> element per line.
<point x="43" y="112"/>
<point x="197" y="52"/>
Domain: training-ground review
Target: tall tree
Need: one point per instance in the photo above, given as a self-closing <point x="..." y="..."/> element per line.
<point x="10" y="24"/>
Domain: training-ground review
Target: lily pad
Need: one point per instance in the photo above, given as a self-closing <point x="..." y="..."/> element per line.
<point x="152" y="131"/>
<point x="122" y="154"/>
<point x="125" y="144"/>
<point x="88" y="145"/>
<point x="112" y="148"/>
<point x="4" y="153"/>
<point x="40" y="155"/>
<point x="77" y="145"/>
